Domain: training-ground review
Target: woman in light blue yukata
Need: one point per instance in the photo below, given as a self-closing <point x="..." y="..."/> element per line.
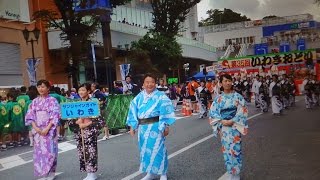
<point x="151" y="113"/>
<point x="228" y="117"/>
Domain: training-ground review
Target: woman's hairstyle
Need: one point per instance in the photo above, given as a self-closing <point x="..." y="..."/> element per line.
<point x="227" y="76"/>
<point x="149" y="75"/>
<point x="45" y="82"/>
<point x="85" y="85"/>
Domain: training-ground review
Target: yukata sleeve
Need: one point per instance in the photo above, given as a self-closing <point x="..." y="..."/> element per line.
<point x="132" y="118"/>
<point x="215" y="115"/>
<point x="241" y="118"/>
<point x="166" y="116"/>
<point x="31" y="114"/>
<point x="54" y="113"/>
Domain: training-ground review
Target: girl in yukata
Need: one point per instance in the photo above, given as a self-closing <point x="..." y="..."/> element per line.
<point x="43" y="115"/>
<point x="150" y="114"/>
<point x="228" y="117"/>
<point x="86" y="132"/>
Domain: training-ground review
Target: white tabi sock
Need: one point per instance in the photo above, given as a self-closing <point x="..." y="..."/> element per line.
<point x="163" y="177"/>
<point x="149" y="177"/>
<point x="91" y="176"/>
<point x="235" y="177"/>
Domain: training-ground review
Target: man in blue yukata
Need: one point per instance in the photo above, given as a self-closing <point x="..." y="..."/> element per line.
<point x="151" y="113"/>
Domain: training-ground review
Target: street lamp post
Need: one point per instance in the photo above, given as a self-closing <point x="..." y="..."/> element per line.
<point x="26" y="35"/>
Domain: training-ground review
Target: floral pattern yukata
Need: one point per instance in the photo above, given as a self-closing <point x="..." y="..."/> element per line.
<point x="89" y="160"/>
<point x="230" y="107"/>
<point x="42" y="111"/>
<point x="153" y="153"/>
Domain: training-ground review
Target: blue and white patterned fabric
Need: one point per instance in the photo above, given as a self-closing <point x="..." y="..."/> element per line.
<point x="153" y="153"/>
<point x="230" y="107"/>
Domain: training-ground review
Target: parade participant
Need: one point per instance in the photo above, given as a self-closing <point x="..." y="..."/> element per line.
<point x="74" y="94"/>
<point x="32" y="93"/>
<point x="316" y="89"/>
<point x="44" y="114"/>
<point x="162" y="87"/>
<point x="292" y="92"/>
<point x="192" y="86"/>
<point x="4" y="126"/>
<point x="307" y="88"/>
<point x="255" y="90"/>
<point x="22" y="100"/>
<point x="228" y="117"/>
<point x="15" y="114"/>
<point x="151" y="113"/>
<point x="203" y="94"/>
<point x="285" y="91"/>
<point x="263" y="94"/>
<point x="246" y="90"/>
<point x="237" y="85"/>
<point x="274" y="93"/>
<point x="86" y="132"/>
<point x="128" y="86"/>
<point x="210" y="86"/>
<point x="174" y="95"/>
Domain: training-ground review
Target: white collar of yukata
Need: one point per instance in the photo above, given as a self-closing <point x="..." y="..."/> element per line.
<point x="151" y="94"/>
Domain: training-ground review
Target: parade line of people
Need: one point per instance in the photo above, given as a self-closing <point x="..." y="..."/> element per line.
<point x="35" y="116"/>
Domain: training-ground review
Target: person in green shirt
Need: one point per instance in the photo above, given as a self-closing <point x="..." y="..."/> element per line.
<point x="15" y="114"/>
<point x="55" y="92"/>
<point x="22" y="99"/>
<point x="4" y="125"/>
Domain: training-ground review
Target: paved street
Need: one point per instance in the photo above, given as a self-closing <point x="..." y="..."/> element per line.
<point x="284" y="147"/>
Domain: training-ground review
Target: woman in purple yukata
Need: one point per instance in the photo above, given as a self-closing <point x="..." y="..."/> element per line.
<point x="86" y="132"/>
<point x="43" y="115"/>
<point x="228" y="117"/>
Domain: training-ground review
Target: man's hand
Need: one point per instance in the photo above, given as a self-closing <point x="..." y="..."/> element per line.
<point x="166" y="132"/>
<point x="132" y="132"/>
<point x="227" y="122"/>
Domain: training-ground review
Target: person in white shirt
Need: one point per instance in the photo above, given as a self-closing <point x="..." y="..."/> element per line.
<point x="162" y="87"/>
<point x="274" y="93"/>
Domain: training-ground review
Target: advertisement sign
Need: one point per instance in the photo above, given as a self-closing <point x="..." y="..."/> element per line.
<point x="270" y="30"/>
<point x="289" y="58"/>
<point x="81" y="5"/>
<point x="80" y="109"/>
<point x="15" y="10"/>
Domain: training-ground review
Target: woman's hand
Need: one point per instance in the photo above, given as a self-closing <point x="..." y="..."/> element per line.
<point x="227" y="122"/>
<point x="79" y="121"/>
<point x="166" y="132"/>
<point x="210" y="121"/>
<point x="45" y="131"/>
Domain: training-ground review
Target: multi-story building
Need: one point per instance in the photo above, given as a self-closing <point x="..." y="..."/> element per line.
<point x="129" y="23"/>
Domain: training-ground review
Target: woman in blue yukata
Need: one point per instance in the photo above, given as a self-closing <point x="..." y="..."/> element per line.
<point x="228" y="117"/>
<point x="151" y="113"/>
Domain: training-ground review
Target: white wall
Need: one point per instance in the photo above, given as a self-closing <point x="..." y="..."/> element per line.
<point x="217" y="39"/>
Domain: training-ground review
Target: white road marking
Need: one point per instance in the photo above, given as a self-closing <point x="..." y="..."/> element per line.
<point x="131" y="176"/>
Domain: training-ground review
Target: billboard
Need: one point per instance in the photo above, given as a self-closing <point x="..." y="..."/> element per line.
<point x="270" y="30"/>
<point x="81" y="5"/>
<point x="280" y="59"/>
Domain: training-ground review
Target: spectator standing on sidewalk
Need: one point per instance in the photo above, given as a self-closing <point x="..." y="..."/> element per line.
<point x="44" y="114"/>
<point x="228" y="117"/>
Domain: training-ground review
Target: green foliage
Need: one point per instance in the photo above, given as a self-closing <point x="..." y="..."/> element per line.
<point x="217" y="16"/>
<point x="270" y="16"/>
<point x="159" y="49"/>
<point x="169" y="14"/>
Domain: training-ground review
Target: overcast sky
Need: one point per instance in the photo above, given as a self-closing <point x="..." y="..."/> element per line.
<point x="257" y="9"/>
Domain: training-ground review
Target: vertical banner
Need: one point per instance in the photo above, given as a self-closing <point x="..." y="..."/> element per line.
<point x="32" y="65"/>
<point x="124" y="70"/>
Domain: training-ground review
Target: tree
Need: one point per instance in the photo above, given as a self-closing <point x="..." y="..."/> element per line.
<point x="76" y="27"/>
<point x="160" y="45"/>
<point x="169" y="14"/>
<point x="217" y="16"/>
<point x="270" y="16"/>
